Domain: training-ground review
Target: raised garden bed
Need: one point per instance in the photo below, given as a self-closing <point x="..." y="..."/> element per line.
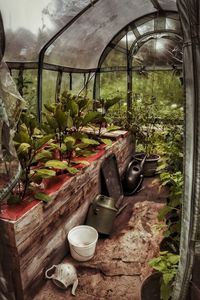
<point x="33" y="235"/>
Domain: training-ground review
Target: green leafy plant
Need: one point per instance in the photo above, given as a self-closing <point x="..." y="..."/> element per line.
<point x="166" y="263"/>
<point x="144" y="123"/>
<point x="104" y="119"/>
<point x="170" y="145"/>
<point x="80" y="110"/>
<point x="66" y="119"/>
<point x="171" y="213"/>
<point x="29" y="142"/>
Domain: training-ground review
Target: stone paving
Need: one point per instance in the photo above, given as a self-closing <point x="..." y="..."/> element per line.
<point x="121" y="260"/>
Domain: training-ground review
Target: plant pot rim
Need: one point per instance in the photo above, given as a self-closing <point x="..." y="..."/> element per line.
<point x="152" y="158"/>
<point x="153" y="276"/>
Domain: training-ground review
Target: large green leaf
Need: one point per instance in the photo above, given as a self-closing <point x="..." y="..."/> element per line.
<point x="168" y="277"/>
<point x="81" y="146"/>
<point x="90" y="117"/>
<point x="110" y="102"/>
<point x="70" y="140"/>
<point x="69" y="120"/>
<point x="83" y="103"/>
<point x="107" y="141"/>
<point x="73" y="108"/>
<point x="23" y="149"/>
<point x="84" y="152"/>
<point x="42" y="196"/>
<point x="52" y="122"/>
<point x="22" y="135"/>
<point x="56" y="164"/>
<point x="82" y="162"/>
<point x="72" y="170"/>
<point x="61" y="118"/>
<point x="89" y="141"/>
<point x="173" y="258"/>
<point x="50" y="107"/>
<point x="42" y="141"/>
<point x="63" y="148"/>
<point x="163" y="212"/>
<point x="45" y="173"/>
<point x="43" y="155"/>
<point x="112" y="128"/>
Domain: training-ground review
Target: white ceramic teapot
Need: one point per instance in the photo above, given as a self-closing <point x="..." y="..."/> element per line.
<point x="64" y="275"/>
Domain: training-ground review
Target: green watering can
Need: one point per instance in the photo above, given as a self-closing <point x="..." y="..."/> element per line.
<point x="102" y="213"/>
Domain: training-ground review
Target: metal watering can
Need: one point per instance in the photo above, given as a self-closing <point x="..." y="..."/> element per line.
<point x="133" y="176"/>
<point x="102" y="213"/>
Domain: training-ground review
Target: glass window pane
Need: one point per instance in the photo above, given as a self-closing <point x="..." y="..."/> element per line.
<point x="113" y="84"/>
<point x="146" y="27"/>
<point x="83" y="43"/>
<point x="172" y="24"/>
<point x="30" y="89"/>
<point x="65" y="83"/>
<point x="48" y="87"/>
<point x="30" y="24"/>
<point x="158" y="52"/>
<point x="115" y="58"/>
<point x="165" y="87"/>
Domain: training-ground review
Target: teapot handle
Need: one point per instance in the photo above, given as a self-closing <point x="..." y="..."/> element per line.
<point x="46" y="273"/>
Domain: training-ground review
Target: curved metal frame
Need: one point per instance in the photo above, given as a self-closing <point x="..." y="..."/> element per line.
<point x="129" y="53"/>
<point x="2" y="38"/>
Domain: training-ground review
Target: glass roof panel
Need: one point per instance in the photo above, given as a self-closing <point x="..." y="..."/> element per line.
<point x="30" y="24"/>
<point x="114" y="59"/>
<point x="158" y="51"/>
<point x="169" y="5"/>
<point x="82" y="44"/>
<point x="130" y="39"/>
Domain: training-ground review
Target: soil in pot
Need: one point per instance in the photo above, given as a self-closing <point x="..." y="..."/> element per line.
<point x="150" y="288"/>
<point x="150" y="164"/>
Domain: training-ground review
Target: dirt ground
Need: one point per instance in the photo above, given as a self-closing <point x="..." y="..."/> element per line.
<point x="121" y="260"/>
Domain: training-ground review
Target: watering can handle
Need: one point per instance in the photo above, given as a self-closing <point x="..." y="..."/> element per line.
<point x="121" y="208"/>
<point x="143" y="161"/>
<point x="46" y="273"/>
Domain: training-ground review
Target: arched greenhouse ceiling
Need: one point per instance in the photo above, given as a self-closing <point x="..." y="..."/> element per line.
<point x="30" y="25"/>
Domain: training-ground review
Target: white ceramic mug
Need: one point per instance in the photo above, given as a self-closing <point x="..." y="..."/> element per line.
<point x="64" y="275"/>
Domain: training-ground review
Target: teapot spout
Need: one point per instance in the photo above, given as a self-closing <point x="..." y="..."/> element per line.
<point x="74" y="287"/>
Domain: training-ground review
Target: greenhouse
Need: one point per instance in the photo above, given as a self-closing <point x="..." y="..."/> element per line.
<point x="99" y="149"/>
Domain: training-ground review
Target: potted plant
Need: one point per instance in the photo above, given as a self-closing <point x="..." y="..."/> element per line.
<point x="144" y="125"/>
<point x="159" y="285"/>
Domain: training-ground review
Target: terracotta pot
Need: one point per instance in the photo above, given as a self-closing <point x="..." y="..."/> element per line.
<point x="150" y="165"/>
<point x="150" y="288"/>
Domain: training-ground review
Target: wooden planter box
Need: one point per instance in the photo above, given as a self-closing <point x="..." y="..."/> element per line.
<point x="33" y="236"/>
